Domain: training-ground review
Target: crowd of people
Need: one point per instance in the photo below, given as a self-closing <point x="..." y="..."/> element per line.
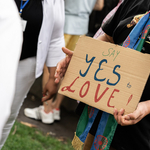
<point x="47" y="26"/>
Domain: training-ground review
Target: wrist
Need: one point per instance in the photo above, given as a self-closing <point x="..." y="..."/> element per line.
<point x="147" y="107"/>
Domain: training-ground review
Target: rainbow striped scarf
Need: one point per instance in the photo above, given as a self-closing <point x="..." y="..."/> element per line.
<point x="107" y="124"/>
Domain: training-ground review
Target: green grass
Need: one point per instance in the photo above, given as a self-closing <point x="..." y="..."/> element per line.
<point x="26" y="138"/>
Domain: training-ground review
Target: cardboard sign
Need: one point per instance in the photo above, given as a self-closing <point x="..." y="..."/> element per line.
<point x="106" y="76"/>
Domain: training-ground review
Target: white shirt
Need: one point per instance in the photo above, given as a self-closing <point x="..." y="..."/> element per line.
<point x="10" y="49"/>
<point x="51" y="37"/>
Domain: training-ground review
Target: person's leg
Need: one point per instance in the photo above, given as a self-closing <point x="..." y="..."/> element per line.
<point x="24" y="80"/>
<point x="56" y="104"/>
<point x="72" y="43"/>
<point x="49" y="112"/>
<point x="48" y="104"/>
<point x="45" y="76"/>
<point x="67" y="38"/>
<point x="44" y="112"/>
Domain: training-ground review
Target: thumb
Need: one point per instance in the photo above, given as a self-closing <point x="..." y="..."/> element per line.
<point x="67" y="51"/>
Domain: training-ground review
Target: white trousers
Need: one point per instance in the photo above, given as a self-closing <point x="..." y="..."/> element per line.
<point x="25" y="79"/>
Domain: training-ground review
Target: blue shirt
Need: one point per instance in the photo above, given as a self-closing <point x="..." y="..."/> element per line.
<point x="77" y="16"/>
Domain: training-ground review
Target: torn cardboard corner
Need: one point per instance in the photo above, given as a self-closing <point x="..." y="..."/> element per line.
<point x="106" y="76"/>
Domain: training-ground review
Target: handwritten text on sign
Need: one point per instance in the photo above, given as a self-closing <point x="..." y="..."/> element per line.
<point x="105" y="75"/>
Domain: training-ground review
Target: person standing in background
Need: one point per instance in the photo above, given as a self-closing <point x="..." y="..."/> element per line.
<point x="77" y="15"/>
<point x="10" y="48"/>
<point x="76" y="24"/>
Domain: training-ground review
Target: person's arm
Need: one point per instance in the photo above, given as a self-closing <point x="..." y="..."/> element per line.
<point x="105" y="38"/>
<point x="10" y="49"/>
<point x="143" y="109"/>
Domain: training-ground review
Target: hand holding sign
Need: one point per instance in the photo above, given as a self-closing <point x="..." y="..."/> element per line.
<point x="132" y="118"/>
<point x="105" y="75"/>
